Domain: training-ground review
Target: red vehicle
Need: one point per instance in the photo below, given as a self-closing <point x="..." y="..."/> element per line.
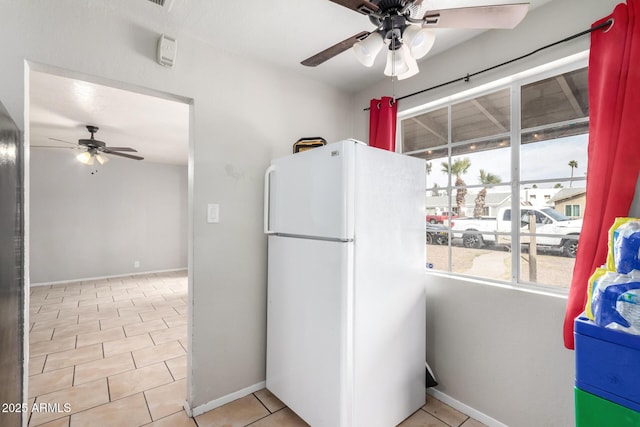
<point x="440" y="218"/>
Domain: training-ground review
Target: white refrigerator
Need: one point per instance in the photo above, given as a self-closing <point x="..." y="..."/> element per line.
<point x="346" y="284"/>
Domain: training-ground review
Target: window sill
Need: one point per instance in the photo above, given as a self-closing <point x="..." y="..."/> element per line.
<point x="555" y="292"/>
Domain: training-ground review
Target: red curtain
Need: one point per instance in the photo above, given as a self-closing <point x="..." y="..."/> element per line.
<point x="614" y="145"/>
<point x="382" y="123"/>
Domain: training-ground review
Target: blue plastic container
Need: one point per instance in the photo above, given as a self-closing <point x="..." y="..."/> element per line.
<point x="608" y="363"/>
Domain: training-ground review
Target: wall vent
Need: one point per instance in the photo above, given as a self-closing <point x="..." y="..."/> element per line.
<point x="165" y="4"/>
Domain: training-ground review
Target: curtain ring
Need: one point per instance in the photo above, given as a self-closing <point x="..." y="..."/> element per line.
<point x="378" y="105"/>
<point x="391" y="102"/>
<point x="610" y="26"/>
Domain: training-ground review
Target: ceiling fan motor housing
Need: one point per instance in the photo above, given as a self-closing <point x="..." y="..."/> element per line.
<point x="385" y="5"/>
<point x="92" y="143"/>
<point x="393" y="24"/>
<point x="394" y="32"/>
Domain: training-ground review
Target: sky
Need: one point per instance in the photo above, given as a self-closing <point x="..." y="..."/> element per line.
<point x="539" y="160"/>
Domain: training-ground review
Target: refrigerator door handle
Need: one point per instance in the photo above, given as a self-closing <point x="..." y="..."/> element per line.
<point x="267" y="198"/>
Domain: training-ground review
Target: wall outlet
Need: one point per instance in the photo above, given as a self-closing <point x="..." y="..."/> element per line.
<point x="136" y="264"/>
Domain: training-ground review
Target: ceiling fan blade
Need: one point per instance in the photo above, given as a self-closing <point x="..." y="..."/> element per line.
<point x="122" y="149"/>
<point x="62" y="140"/>
<point x="334" y="50"/>
<point x="494" y="16"/>
<point x="128" y="156"/>
<point x="54" y="146"/>
<point x="362" y="6"/>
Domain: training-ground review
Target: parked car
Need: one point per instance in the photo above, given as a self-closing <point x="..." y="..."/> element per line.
<point x="437" y="234"/>
<point x="440" y="218"/>
<point x="553" y="230"/>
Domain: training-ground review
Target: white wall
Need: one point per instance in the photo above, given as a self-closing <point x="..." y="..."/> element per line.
<point x="244" y="113"/>
<point x="86" y="225"/>
<point x="498" y="350"/>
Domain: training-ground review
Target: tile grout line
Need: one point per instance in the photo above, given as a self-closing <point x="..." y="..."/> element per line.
<point x="108" y="390"/>
<point x="265" y="406"/>
<point x="46" y="357"/>
<point x="438" y="418"/>
<point x="73" y="376"/>
<point x="135" y="365"/>
<point x="144" y="396"/>
<point x="168" y="369"/>
<point x="183" y="347"/>
<point x="152" y="340"/>
<point x="270" y="414"/>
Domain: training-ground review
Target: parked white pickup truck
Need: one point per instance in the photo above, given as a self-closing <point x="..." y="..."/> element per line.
<point x="553" y="230"/>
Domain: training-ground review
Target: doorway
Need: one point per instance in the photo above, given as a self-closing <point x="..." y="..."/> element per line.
<point x="108" y="249"/>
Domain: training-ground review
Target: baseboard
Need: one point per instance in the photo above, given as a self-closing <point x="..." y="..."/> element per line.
<point x="139" y="273"/>
<point x="201" y="409"/>
<point x="465" y="409"/>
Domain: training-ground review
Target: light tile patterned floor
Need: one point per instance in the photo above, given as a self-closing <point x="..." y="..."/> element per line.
<point x="114" y="352"/>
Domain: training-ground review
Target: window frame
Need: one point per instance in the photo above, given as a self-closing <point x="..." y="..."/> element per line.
<point x="515" y="83"/>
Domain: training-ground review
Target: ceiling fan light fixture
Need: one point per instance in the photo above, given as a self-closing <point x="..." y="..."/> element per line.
<point x="85" y="158"/>
<point x="102" y="159"/>
<point x="367" y="49"/>
<point x="411" y="62"/>
<point x="396" y="62"/>
<point x="420" y="40"/>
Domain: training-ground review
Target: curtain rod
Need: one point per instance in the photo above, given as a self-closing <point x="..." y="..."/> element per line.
<point x="468" y="76"/>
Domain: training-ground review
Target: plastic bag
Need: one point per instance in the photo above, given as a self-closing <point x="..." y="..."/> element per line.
<point x="601" y="277"/>
<point x="624" y="245"/>
<point x="615" y="303"/>
<point x="613" y="291"/>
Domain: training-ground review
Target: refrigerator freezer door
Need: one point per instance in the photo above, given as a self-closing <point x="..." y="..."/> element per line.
<point x="309" y="340"/>
<point x="309" y="194"/>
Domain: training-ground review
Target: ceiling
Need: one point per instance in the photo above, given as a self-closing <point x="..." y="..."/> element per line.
<point x="294" y="30"/>
<point x="60" y="107"/>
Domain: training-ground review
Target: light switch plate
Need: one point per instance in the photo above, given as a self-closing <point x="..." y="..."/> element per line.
<point x="213" y="213"/>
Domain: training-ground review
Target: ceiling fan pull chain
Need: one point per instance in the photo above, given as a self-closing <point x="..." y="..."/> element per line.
<point x="393" y="69"/>
<point x="393" y="88"/>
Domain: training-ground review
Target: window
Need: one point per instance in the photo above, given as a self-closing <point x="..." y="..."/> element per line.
<point x="515" y="151"/>
<point x="572" y="211"/>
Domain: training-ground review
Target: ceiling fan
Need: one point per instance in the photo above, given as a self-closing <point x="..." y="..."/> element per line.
<point x="406" y="28"/>
<point x="94" y="149"/>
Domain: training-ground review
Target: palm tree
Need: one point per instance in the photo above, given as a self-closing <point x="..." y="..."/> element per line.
<point x="458" y="168"/>
<point x="486" y="178"/>
<point x="572" y="164"/>
<point x="435" y="190"/>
